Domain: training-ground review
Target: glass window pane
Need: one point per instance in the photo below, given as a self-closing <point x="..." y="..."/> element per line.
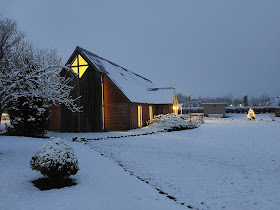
<point x="82" y="61"/>
<point x="140" y="117"/>
<point x="151" y="112"/>
<point x="82" y="70"/>
<point x="75" y="69"/>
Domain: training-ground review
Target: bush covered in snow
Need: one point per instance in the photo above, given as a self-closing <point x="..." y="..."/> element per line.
<point x="170" y="122"/>
<point x="56" y="160"/>
<point x="272" y="116"/>
<point x="28" y="117"/>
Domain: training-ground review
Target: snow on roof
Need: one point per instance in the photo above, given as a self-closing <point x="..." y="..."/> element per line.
<point x="223" y="103"/>
<point x="136" y="88"/>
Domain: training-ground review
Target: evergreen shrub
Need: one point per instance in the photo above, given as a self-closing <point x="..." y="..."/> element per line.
<point x="28" y="117"/>
<point x="56" y="160"/>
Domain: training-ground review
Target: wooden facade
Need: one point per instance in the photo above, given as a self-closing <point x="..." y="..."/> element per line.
<point x="105" y="106"/>
<point x="55" y="118"/>
<point x="88" y="87"/>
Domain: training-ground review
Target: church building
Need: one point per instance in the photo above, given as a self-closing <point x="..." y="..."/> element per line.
<point x="112" y="97"/>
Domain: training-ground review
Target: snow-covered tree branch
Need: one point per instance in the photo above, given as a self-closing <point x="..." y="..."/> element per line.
<point x="30" y="81"/>
<point x="29" y="72"/>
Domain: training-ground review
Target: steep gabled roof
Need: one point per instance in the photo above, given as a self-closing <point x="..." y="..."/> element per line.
<point x="136" y="88"/>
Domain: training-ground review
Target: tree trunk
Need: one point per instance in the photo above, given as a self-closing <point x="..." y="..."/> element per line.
<point x="1" y="111"/>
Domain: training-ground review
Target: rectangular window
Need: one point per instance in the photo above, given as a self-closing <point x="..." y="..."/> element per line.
<point x="151" y="112"/>
<point x="140" y="116"/>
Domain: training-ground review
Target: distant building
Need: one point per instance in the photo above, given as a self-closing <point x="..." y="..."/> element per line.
<point x="113" y="98"/>
<point x="245" y="101"/>
<point x="277" y="112"/>
<point x="214" y="109"/>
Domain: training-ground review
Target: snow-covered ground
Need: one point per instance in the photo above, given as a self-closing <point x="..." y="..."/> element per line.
<point x="229" y="163"/>
<point x="101" y="183"/>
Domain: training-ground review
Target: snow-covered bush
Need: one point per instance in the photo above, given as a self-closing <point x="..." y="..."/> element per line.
<point x="28" y="117"/>
<point x="272" y="116"/>
<point x="56" y="160"/>
<point x="169" y="122"/>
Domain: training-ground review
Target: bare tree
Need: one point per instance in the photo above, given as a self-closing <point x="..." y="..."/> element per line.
<point x="33" y="73"/>
<point x="264" y="99"/>
<point x="30" y="81"/>
<point x="10" y="36"/>
<point x="29" y="72"/>
<point x="253" y="101"/>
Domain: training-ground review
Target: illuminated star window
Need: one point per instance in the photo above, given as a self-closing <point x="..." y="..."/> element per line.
<point x="79" y="65"/>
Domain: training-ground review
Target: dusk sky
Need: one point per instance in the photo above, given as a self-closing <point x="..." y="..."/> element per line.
<point x="202" y="48"/>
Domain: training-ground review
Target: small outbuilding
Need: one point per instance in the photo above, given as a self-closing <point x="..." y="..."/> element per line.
<point x="277" y="112"/>
<point x="215" y="109"/>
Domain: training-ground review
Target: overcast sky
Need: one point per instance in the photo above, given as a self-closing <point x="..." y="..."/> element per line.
<point x="203" y="48"/>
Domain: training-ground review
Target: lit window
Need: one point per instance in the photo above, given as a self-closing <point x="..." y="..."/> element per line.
<point x="151" y="112"/>
<point x="79" y="66"/>
<point x="140" y="116"/>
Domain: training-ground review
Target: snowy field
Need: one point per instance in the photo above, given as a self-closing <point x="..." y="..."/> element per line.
<point x="227" y="163"/>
